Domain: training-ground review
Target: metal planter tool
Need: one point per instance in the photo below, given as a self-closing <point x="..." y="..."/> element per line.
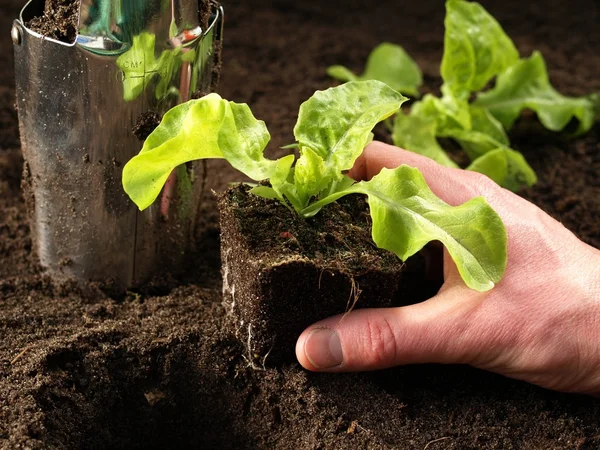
<point x="78" y="103"/>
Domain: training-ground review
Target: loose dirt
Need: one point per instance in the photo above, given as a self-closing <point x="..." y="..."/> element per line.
<point x="158" y="368"/>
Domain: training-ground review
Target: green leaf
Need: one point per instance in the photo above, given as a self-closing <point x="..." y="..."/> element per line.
<point x="335" y="124"/>
<point x="448" y="112"/>
<point x="417" y="134"/>
<point x="407" y="215"/>
<point x="474" y="128"/>
<point x="342" y="73"/>
<point x="595" y="100"/>
<point x="209" y="127"/>
<point x="265" y="192"/>
<point x="484" y="122"/>
<point x="506" y="167"/>
<point x="309" y="174"/>
<point x="486" y="134"/>
<point x="390" y="64"/>
<point x="526" y="86"/>
<point x="243" y="139"/>
<point x="476" y="48"/>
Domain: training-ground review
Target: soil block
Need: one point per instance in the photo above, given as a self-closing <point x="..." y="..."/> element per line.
<point x="282" y="273"/>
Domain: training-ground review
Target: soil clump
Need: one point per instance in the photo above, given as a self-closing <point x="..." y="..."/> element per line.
<point x="281" y="272"/>
<point x="60" y="20"/>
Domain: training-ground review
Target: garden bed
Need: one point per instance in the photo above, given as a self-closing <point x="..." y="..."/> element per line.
<point x="158" y="368"/>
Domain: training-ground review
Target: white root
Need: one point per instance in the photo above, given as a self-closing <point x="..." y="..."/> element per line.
<point x="228" y="287"/>
<point x="251" y="357"/>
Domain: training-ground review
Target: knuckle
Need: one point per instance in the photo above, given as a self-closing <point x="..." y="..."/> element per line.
<point x="380" y="343"/>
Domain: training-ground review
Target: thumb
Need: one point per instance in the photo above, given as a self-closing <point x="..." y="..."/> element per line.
<point x="439" y="330"/>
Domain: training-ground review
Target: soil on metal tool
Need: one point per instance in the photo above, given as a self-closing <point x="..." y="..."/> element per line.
<point x="60" y="20"/>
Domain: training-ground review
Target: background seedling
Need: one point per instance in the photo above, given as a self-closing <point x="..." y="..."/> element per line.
<point x="476" y="51"/>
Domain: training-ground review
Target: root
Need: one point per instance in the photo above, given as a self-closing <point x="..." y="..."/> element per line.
<point x="228" y="288"/>
<point x="352" y="298"/>
<point x="436" y="440"/>
<point x="20" y="355"/>
<point x="251" y="357"/>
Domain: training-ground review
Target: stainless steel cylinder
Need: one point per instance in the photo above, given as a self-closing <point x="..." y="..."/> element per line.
<point x="78" y="103"/>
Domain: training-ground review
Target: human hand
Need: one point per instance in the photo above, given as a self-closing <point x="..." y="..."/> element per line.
<point x="540" y="324"/>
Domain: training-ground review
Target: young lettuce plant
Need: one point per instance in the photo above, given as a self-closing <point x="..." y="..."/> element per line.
<point x="333" y="128"/>
<point x="477" y="50"/>
<point x="388" y="63"/>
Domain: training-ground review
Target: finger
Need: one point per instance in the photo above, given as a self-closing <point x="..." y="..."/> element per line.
<point x="438" y="330"/>
<point x="378" y="155"/>
<point x="454" y="186"/>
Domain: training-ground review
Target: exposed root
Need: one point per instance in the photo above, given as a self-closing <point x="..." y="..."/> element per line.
<point x="352" y="298"/>
<point x="250" y="358"/>
<point x="320" y="277"/>
<point x="228" y="288"/>
<point x="436" y="440"/>
<point x="19" y="356"/>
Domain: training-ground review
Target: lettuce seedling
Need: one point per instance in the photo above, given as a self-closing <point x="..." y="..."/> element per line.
<point x="476" y="51"/>
<point x="388" y="63"/>
<point x="333" y="128"/>
<point x="525" y="85"/>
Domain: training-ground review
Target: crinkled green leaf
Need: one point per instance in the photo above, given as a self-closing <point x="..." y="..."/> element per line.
<point x="474" y="128"/>
<point x="209" y="127"/>
<point x="282" y="180"/>
<point x="474" y="143"/>
<point x="484" y="122"/>
<point x="417" y="134"/>
<point x="448" y="112"/>
<point x="407" y="215"/>
<point x="335" y="124"/>
<point x="390" y="64"/>
<point x="309" y="174"/>
<point x="526" y="86"/>
<point x="476" y="48"/>
<point x="243" y="139"/>
<point x="506" y="167"/>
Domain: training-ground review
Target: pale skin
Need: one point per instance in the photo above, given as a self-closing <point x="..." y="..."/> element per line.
<point x="540" y="324"/>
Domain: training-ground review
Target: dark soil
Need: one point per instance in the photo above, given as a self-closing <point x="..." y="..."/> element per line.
<point x="282" y="273"/>
<point x="60" y="20"/>
<point x="158" y="368"/>
<point x="146" y="124"/>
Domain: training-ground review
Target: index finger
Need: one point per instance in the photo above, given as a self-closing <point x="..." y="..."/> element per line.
<point x="454" y="186"/>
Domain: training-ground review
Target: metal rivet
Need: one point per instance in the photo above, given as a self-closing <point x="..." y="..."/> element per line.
<point x="15" y="34"/>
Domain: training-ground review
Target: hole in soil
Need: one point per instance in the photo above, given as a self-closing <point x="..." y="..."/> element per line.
<point x="155" y="399"/>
